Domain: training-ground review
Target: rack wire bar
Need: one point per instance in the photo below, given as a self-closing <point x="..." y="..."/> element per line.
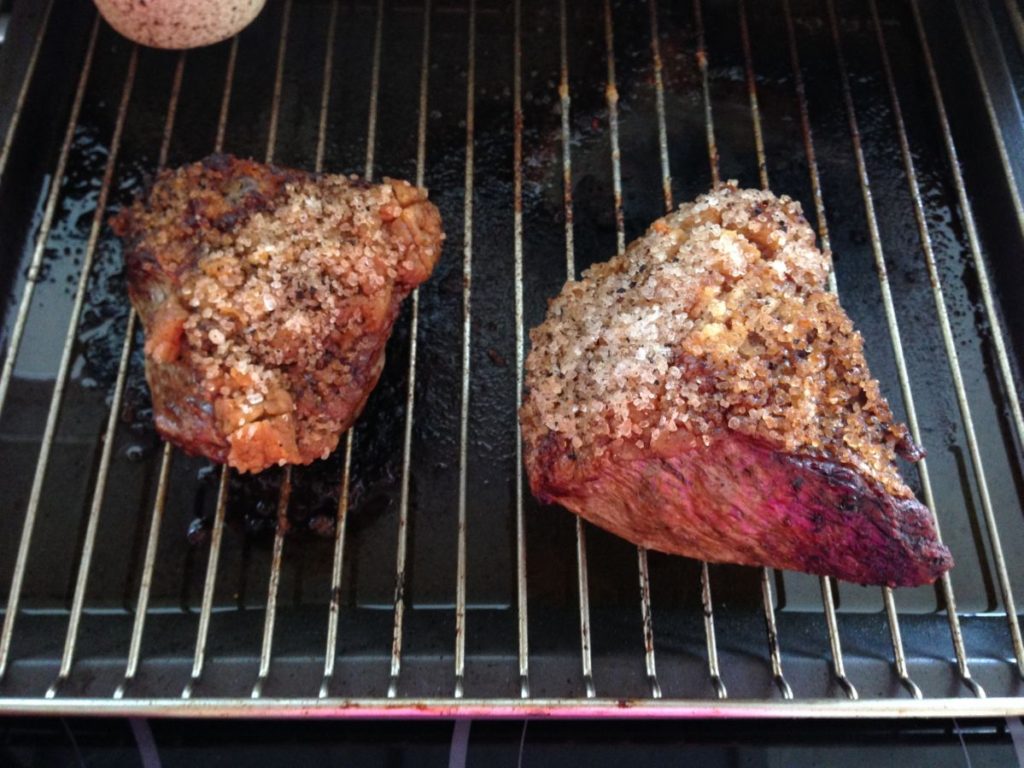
<point x="146" y="580"/>
<point x="64" y="367"/>
<point x="517" y="226"/>
<point x="950" y="345"/>
<point x="167" y="455"/>
<point x="1011" y="388"/>
<point x="225" y="473"/>
<point x="26" y="81"/>
<point x="18" y="329"/>
<point x="467" y="285"/>
<point x="990" y="108"/>
<point x="203" y="629"/>
<point x="707" y="602"/>
<point x="99" y="489"/>
<point x="565" y="104"/>
<point x="341" y="517"/>
<point x="611" y="94"/>
<point x="277" y="551"/>
<point x="825" y="583"/>
<point x="659" y="100"/>
<point x="762" y="166"/>
<point x="152" y="540"/>
<point x="768" y="598"/>
<point x="336" y="571"/>
<point x="897" y="346"/>
<point x="548" y="708"/>
<point x="815" y="179"/>
<point x="285" y="492"/>
<point x="981" y="270"/>
<point x="410" y="392"/>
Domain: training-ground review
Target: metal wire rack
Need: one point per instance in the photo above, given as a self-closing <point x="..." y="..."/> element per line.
<point x="549" y="137"/>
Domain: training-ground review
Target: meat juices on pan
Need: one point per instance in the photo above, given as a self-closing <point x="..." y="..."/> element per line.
<point x="267" y="296"/>
<point x="703" y="394"/>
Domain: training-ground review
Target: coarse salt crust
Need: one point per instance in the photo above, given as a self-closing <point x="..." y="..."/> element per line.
<point x="716" y="319"/>
<point x="270" y="293"/>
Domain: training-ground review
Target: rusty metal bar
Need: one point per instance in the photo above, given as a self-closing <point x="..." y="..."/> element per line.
<point x="565" y="103"/>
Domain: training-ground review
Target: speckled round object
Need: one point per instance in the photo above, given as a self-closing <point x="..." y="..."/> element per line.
<point x="179" y="23"/>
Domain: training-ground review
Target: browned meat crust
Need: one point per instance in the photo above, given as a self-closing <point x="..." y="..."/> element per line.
<point x="267" y="296"/>
<point x="702" y="394"/>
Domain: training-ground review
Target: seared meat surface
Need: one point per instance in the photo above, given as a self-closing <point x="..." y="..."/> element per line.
<point x="267" y="296"/>
<point x="703" y="394"/>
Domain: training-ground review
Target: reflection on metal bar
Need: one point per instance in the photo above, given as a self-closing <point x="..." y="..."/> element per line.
<point x="371" y="128"/>
<point x="828" y="604"/>
<point x="584" y="590"/>
<point x="225" y="100"/>
<point x="774" y="652"/>
<point x="146" y="581"/>
<point x="950" y="345"/>
<point x="767" y="598"/>
<point x="35" y="263"/>
<point x="410" y="392"/>
<point x="64" y="367"/>
<point x="109" y="434"/>
<point x="897" y="644"/>
<point x="325" y="91"/>
<point x="467" y="282"/>
<point x="648" y="623"/>
<point x="838" y="666"/>
<point x="517" y="226"/>
<point x="659" y="100"/>
<point x="266" y="649"/>
<point x="1016" y="21"/>
<point x="336" y="570"/>
<point x="203" y="631"/>
<point x="284" y="494"/>
<point x="709" y="633"/>
<point x="897" y="347"/>
<point x="612" y="100"/>
<point x="275" y="100"/>
<point x="565" y="104"/>
<point x="26" y="81"/>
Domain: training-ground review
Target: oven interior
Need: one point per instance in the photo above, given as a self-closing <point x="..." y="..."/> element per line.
<point x="413" y="568"/>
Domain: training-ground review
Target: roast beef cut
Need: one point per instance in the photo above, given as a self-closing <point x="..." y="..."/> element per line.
<point x="267" y="296"/>
<point x="703" y="394"/>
